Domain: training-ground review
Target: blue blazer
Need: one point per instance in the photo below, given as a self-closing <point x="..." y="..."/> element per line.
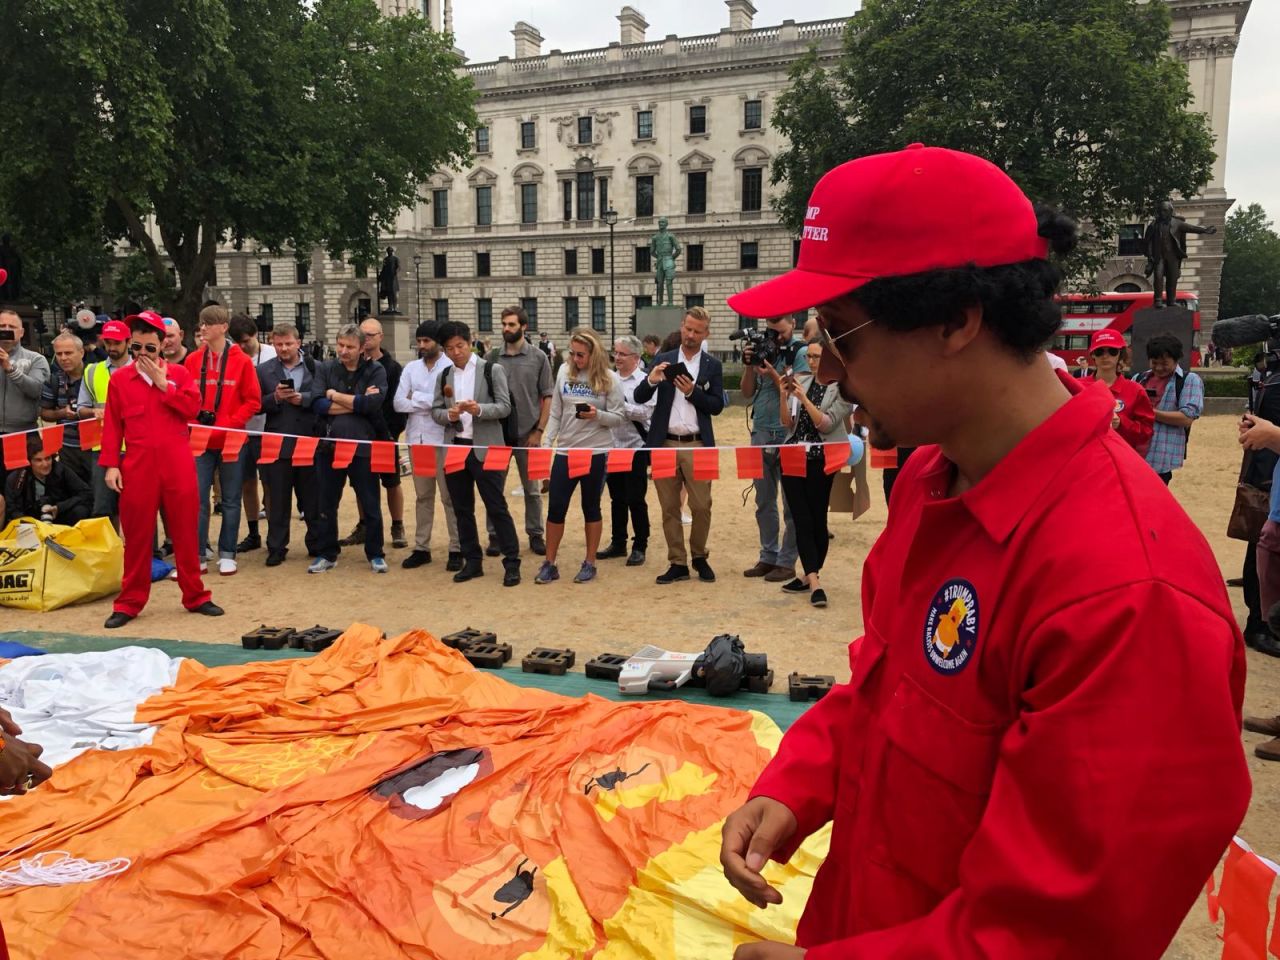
<point x="707" y="398"/>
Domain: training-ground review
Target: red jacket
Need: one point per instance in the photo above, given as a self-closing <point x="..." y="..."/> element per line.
<point x="1137" y="417"/>
<point x="1038" y="752"/>
<point x="144" y="418"/>
<point x="241" y="392"/>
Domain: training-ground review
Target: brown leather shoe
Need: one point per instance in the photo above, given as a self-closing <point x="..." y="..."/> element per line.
<point x="780" y="575"/>
<point x="759" y="570"/>
<point x="1269" y="750"/>
<point x="1268" y="725"/>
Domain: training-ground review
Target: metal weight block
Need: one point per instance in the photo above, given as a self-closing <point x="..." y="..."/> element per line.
<point x="490" y="656"/>
<point x="548" y="660"/>
<point x="464" y="638"/>
<point x="803" y="687"/>
<point x="318" y="638"/>
<point x="607" y="666"/>
<point x="267" y="638"/>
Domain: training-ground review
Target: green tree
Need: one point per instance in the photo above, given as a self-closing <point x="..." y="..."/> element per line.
<point x="1076" y="99"/>
<point x="289" y="122"/>
<point x="1251" y="271"/>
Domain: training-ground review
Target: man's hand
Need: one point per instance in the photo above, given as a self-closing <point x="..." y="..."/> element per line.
<point x="20" y="766"/>
<point x="655" y="375"/>
<point x="470" y="406"/>
<point x="5" y="363"/>
<point x="114" y="480"/>
<point x="768" y="951"/>
<point x="684" y="385"/>
<point x="748" y="355"/>
<point x="7" y="725"/>
<point x="750" y="836"/>
<point x="455" y="413"/>
<point x="154" y="371"/>
<point x="1258" y="434"/>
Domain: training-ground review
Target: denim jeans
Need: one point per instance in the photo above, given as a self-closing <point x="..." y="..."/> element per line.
<point x="230" y="478"/>
<point x="780" y="553"/>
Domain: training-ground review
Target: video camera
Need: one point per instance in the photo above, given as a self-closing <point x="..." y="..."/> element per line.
<point x="767" y="347"/>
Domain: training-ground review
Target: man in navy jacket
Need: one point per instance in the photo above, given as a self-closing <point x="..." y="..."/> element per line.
<point x="682" y="419"/>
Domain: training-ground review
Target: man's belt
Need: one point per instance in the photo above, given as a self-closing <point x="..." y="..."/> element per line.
<point x="686" y="438"/>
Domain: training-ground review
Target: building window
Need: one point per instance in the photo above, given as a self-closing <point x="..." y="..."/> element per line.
<point x="698" y="191"/>
<point x="644" y="125"/>
<point x="530" y="305"/>
<point x="528" y="263"/>
<point x="1130" y="240"/>
<point x="640" y="303"/>
<point x="698" y="119"/>
<point x="264" y="274"/>
<point x="752" y="188"/>
<point x="568" y="200"/>
<point x="528" y="135"/>
<point x="644" y="196"/>
<point x="482" y="264"/>
<point x="528" y="203"/>
<point x="302" y="274"/>
<point x="602" y="186"/>
<point x="752" y="115"/>
<point x="570" y="262"/>
<point x="268" y="313"/>
<point x="484" y="315"/>
<point x="364" y="307"/>
<point x="570" y="313"/>
<point x="748" y="255"/>
<point x="584" y="130"/>
<point x="440" y="308"/>
<point x="439" y="208"/>
<point x="795" y="252"/>
<point x="439" y="266"/>
<point x="644" y="262"/>
<point x="302" y="317"/>
<point x="748" y="323"/>
<point x="692" y="300"/>
<point x="484" y="206"/>
<point x="362" y="271"/>
<point x="586" y="195"/>
<point x="693" y="257"/>
<point x="597" y="313"/>
<point x="597" y="259"/>
<point x="482" y="139"/>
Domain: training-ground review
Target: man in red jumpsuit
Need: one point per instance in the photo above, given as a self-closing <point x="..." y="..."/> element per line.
<point x="149" y="404"/>
<point x="989" y="770"/>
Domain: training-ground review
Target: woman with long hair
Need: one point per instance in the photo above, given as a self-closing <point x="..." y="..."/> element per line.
<point x="586" y="404"/>
<point x="1134" y="419"/>
<point x="814" y="414"/>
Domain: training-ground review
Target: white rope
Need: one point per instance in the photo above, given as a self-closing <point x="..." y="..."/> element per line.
<point x="57" y="868"/>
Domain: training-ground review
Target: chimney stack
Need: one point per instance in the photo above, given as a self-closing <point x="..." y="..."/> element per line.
<point x="528" y="40"/>
<point x="633" y="25"/>
<point x="740" y="14"/>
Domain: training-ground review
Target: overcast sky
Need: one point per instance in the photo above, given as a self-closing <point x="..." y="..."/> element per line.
<point x="1253" y="159"/>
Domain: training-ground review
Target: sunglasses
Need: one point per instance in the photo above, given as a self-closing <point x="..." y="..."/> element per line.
<point x="151" y="348"/>
<point x="829" y="342"/>
<point x="1109" y="351"/>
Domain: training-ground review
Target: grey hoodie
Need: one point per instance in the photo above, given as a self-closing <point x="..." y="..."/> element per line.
<point x="20" y="390"/>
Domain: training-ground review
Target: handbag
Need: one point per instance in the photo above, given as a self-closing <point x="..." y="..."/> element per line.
<point x="1251" y="508"/>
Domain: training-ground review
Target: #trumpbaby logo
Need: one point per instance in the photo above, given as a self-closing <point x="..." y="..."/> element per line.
<point x="951" y="627"/>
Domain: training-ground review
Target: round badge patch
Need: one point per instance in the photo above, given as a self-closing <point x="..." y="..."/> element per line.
<point x="951" y="628"/>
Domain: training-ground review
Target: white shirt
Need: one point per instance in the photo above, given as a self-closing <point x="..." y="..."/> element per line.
<point x="1056" y="361"/>
<point x="421" y="381"/>
<point x="684" y="417"/>
<point x="627" y="436"/>
<point x="265" y="352"/>
<point x="464" y="388"/>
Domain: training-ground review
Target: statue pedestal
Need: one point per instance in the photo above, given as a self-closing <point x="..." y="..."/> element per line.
<point x="658" y="321"/>
<point x="398" y="338"/>
<point x="1147" y="323"/>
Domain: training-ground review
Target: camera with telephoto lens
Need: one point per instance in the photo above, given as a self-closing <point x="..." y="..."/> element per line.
<point x="767" y="347"/>
<point x="206" y="417"/>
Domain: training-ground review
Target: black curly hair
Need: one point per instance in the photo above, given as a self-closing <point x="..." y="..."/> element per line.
<point x="1016" y="298"/>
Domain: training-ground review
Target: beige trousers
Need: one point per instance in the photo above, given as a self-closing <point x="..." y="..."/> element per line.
<point x="699" y="507"/>
<point x="425" y="509"/>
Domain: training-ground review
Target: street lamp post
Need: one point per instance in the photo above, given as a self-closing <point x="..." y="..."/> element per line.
<point x="417" y="285"/>
<point x="611" y="218"/>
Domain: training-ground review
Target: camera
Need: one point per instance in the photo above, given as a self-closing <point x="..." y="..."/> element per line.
<point x="767" y="347"/>
<point x="206" y="417"/>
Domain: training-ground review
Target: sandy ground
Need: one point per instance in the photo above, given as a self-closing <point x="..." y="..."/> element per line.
<point x="624" y="607"/>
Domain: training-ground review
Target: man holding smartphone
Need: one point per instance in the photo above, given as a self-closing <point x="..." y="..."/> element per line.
<point x="23" y="374"/>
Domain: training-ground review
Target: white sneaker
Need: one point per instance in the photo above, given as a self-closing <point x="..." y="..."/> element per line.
<point x="173" y="574"/>
<point x="686" y="518"/>
<point x="227" y="568"/>
<point x="321" y="565"/>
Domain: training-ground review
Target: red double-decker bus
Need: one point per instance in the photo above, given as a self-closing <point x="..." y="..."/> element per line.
<point x="1083" y="314"/>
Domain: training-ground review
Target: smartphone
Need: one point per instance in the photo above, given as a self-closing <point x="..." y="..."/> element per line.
<point x="581" y="408"/>
<point x="8" y="335"/>
<point x="286" y="383"/>
<point x="675" y="370"/>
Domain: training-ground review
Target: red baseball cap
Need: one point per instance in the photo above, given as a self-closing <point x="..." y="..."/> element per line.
<point x="115" y="330"/>
<point x="1107" y="338"/>
<point x="150" y="318"/>
<point x="895" y="214"/>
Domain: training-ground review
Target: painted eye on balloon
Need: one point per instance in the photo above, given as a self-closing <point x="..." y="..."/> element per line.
<point x="428" y="787"/>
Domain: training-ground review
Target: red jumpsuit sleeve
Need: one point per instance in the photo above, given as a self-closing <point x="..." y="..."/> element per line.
<point x="112" y="431"/>
<point x="248" y="400"/>
<point x="183" y="397"/>
<point x="1115" y="793"/>
<point x="1137" y="421"/>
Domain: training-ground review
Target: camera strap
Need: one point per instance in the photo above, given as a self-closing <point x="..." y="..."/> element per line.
<point x="204" y="373"/>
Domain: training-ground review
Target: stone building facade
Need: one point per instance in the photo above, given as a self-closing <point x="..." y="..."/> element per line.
<point x="677" y="127"/>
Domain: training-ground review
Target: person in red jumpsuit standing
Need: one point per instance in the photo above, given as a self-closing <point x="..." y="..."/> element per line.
<point x="1134" y="419"/>
<point x="149" y="404"/>
<point x="989" y="770"/>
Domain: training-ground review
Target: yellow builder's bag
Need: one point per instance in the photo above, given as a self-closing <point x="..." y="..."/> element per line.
<point x="44" y="566"/>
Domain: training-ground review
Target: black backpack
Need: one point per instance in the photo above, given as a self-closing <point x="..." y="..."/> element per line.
<point x="509" y="435"/>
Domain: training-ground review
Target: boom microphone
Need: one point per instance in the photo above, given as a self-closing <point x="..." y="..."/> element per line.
<point x="1244" y="331"/>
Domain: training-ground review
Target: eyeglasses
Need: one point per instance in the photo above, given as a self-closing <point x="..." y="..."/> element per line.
<point x="1109" y="351"/>
<point x="618" y="353"/>
<point x="136" y="348"/>
<point x="829" y="342"/>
